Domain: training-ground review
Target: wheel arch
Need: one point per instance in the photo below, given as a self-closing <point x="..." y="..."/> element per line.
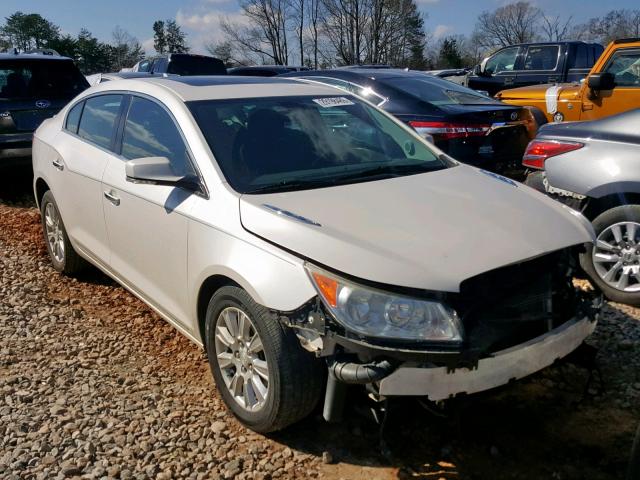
<point x="597" y="206"/>
<point x="208" y="287"/>
<point x="40" y="188"/>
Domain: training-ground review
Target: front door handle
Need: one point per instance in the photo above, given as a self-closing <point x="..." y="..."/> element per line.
<point x="112" y="198"/>
<point x="58" y="164"/>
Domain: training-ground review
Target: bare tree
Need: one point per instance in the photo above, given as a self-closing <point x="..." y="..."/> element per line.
<point x="514" y="23"/>
<point x="611" y="26"/>
<point x="299" y="17"/>
<point x="313" y="25"/>
<point x="266" y="33"/>
<point x="554" y="29"/>
<point x="344" y="25"/>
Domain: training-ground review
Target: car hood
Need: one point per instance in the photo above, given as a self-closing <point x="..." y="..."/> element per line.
<point x="566" y="90"/>
<point x="429" y="231"/>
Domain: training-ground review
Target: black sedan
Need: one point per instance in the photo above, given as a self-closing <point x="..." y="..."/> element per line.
<point x="469" y="126"/>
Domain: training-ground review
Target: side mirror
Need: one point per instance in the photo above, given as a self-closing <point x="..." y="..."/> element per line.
<point x="601" y="81"/>
<point x="481" y="69"/>
<point x="158" y="171"/>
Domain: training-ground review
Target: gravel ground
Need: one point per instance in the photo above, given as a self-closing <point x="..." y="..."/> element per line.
<point x="95" y="385"/>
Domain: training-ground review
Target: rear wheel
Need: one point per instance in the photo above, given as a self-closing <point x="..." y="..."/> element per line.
<point x="264" y="376"/>
<point x="63" y="257"/>
<point x="613" y="263"/>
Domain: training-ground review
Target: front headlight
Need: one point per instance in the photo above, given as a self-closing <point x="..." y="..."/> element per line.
<point x="375" y="313"/>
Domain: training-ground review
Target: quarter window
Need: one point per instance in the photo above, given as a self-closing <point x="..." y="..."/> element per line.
<point x="543" y="57"/>
<point x="99" y="118"/>
<point x="151" y="132"/>
<point x="625" y="67"/>
<point x="73" y="118"/>
<point x="503" y="61"/>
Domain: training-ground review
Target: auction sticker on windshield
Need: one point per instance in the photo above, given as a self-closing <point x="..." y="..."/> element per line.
<point x="333" y="101"/>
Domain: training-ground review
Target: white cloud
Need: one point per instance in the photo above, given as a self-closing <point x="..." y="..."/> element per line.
<point x="148" y="46"/>
<point x="442" y="31"/>
<point x="203" y="24"/>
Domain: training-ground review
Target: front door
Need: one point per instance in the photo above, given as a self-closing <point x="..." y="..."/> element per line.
<point x="148" y="224"/>
<point x="624" y="65"/>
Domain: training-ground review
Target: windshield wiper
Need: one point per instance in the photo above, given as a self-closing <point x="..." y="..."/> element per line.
<point x="289" y="185"/>
<point x="387" y="171"/>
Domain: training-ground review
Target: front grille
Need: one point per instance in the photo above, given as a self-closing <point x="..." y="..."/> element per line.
<point x="510" y="305"/>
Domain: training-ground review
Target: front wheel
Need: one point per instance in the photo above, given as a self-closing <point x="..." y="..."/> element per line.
<point x="264" y="376"/>
<point x="613" y="263"/>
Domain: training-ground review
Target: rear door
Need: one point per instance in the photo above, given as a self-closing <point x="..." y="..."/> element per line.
<point x="624" y="65"/>
<point x="540" y="64"/>
<point x="76" y="175"/>
<point x="148" y="224"/>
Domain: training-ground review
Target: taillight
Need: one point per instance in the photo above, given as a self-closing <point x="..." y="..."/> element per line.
<point x="448" y="131"/>
<point x="539" y="150"/>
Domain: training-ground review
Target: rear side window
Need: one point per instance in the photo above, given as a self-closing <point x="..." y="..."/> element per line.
<point x="40" y="79"/>
<point x="543" y="57"/>
<point x="99" y="118"/>
<point x="73" y="118"/>
<point x="151" y="132"/>
<point x="581" y="57"/>
<point x="195" y="65"/>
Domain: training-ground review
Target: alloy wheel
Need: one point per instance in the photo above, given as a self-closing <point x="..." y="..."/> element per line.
<point x="55" y="236"/>
<point x="616" y="256"/>
<point x="241" y="358"/>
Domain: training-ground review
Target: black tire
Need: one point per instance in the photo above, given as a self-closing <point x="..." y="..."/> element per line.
<point x="600" y="223"/>
<point x="296" y="377"/>
<point x="71" y="263"/>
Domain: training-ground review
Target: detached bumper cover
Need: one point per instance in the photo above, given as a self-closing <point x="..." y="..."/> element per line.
<point x="506" y="365"/>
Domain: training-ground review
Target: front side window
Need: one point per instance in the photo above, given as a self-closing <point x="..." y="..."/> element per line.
<point x="99" y="118"/>
<point x="294" y="143"/>
<point x="150" y="132"/>
<point x="544" y="57"/>
<point x="625" y="67"/>
<point x="503" y="61"/>
<point x="73" y="118"/>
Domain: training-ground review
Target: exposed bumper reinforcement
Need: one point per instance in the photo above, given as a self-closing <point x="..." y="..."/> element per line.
<point x="510" y="364"/>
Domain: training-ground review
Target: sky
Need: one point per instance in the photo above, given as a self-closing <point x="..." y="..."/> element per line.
<point x="200" y="18"/>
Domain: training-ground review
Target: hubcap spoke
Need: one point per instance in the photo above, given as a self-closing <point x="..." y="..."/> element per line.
<point x="616" y="256"/>
<point x="612" y="272"/>
<point x="240" y="358"/>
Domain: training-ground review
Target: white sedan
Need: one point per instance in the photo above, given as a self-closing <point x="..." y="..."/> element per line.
<point x="290" y="228"/>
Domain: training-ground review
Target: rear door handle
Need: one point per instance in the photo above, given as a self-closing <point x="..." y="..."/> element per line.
<point x="58" y="164"/>
<point x="112" y="198"/>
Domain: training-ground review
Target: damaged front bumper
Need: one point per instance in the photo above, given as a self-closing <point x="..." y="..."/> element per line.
<point x="440" y="383"/>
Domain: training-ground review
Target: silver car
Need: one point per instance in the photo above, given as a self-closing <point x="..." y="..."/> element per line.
<point x="294" y="229"/>
<point x="593" y="167"/>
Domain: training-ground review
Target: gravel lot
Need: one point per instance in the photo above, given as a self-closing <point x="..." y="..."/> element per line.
<point x="95" y="385"/>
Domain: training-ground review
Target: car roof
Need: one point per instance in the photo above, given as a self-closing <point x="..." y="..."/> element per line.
<point x="223" y="86"/>
<point x="32" y="56"/>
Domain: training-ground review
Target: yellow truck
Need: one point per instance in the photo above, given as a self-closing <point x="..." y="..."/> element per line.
<point x="612" y="86"/>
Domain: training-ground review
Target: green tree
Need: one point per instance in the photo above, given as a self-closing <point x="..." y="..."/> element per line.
<point x="176" y="39"/>
<point x="159" y="37"/>
<point x="27" y="31"/>
<point x="92" y="56"/>
<point x="125" y="51"/>
<point x="65" y="45"/>
<point x="416" y="37"/>
<point x="450" y="55"/>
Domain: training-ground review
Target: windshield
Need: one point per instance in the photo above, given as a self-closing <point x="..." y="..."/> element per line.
<point x="293" y="143"/>
<point x="42" y="79"/>
<point x="442" y="93"/>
